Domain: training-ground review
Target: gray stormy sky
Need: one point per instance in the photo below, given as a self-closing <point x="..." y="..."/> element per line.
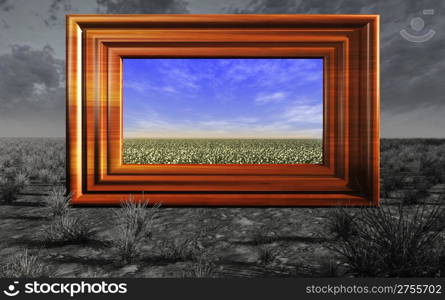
<point x="32" y="54"/>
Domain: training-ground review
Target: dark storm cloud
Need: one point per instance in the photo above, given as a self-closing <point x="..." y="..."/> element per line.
<point x="32" y="77"/>
<point x="58" y="7"/>
<point x="6" y="5"/>
<point x="143" y="6"/>
<point x="54" y="11"/>
<point x="31" y="82"/>
<point x="4" y="24"/>
<point x="411" y="74"/>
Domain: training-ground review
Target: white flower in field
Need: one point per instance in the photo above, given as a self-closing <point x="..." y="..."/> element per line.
<point x="229" y="151"/>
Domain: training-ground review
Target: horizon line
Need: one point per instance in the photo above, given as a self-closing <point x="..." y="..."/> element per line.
<point x="63" y="137"/>
<point x="224" y="138"/>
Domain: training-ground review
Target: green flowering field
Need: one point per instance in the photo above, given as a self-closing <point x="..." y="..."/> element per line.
<point x="223" y="151"/>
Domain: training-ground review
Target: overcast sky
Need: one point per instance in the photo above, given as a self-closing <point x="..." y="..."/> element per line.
<point x="32" y="53"/>
<point x="223" y="98"/>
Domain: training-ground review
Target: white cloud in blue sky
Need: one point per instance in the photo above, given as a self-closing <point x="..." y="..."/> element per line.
<point x="268" y="98"/>
<point x="223" y="98"/>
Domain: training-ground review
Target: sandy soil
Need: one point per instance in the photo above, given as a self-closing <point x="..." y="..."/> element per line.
<point x="232" y="237"/>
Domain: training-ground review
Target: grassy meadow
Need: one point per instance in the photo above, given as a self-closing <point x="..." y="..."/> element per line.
<point x="223" y="151"/>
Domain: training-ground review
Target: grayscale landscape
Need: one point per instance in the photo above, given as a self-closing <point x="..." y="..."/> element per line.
<point x="43" y="236"/>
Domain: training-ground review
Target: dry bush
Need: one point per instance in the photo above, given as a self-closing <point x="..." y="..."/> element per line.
<point x="181" y="249"/>
<point x="48" y="176"/>
<point x="202" y="268"/>
<point x="264" y="235"/>
<point x="410" y="197"/>
<point x="134" y="226"/>
<point x="69" y="229"/>
<point x="58" y="201"/>
<point x="392" y="181"/>
<point x="29" y="155"/>
<point x="11" y="184"/>
<point x="432" y="164"/>
<point x="341" y="224"/>
<point x="24" y="158"/>
<point x="422" y="186"/>
<point x="267" y="255"/>
<point x="401" y="243"/>
<point x="401" y="158"/>
<point x="26" y="265"/>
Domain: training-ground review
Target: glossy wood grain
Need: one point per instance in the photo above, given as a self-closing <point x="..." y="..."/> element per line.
<point x="348" y="45"/>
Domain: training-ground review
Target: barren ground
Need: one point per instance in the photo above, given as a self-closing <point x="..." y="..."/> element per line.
<point x="231" y="237"/>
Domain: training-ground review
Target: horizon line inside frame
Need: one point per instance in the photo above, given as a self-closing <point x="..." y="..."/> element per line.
<point x="222" y="111"/>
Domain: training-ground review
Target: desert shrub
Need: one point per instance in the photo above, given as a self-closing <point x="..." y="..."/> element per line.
<point x="11" y="184"/>
<point x="340" y="224"/>
<point x="418" y="192"/>
<point x="134" y="225"/>
<point x="54" y="178"/>
<point x="24" y="264"/>
<point x="60" y="173"/>
<point x="402" y="157"/>
<point x="202" y="268"/>
<point x="12" y="160"/>
<point x="57" y="201"/>
<point x="29" y="155"/>
<point x="432" y="167"/>
<point x="267" y="255"/>
<point x="181" y="249"/>
<point x="263" y="235"/>
<point x="48" y="176"/>
<point x="392" y="181"/>
<point x="384" y="242"/>
<point x="410" y="197"/>
<point x="43" y="175"/>
<point x="69" y="229"/>
<point x="422" y="186"/>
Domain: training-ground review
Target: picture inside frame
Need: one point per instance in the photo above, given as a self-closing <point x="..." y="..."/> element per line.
<point x="100" y="47"/>
<point x="222" y="110"/>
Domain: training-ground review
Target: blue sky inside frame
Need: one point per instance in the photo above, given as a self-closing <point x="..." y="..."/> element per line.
<point x="223" y="98"/>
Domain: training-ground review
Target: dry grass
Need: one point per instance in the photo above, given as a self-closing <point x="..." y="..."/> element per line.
<point x="69" y="229"/>
<point x="180" y="249"/>
<point x="267" y="255"/>
<point x="26" y="265"/>
<point x="389" y="242"/>
<point x="47" y="176"/>
<point x="11" y="184"/>
<point x="58" y="201"/>
<point x="200" y="269"/>
<point x="134" y="222"/>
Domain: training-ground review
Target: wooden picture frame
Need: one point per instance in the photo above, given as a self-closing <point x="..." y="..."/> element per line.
<point x="349" y="46"/>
